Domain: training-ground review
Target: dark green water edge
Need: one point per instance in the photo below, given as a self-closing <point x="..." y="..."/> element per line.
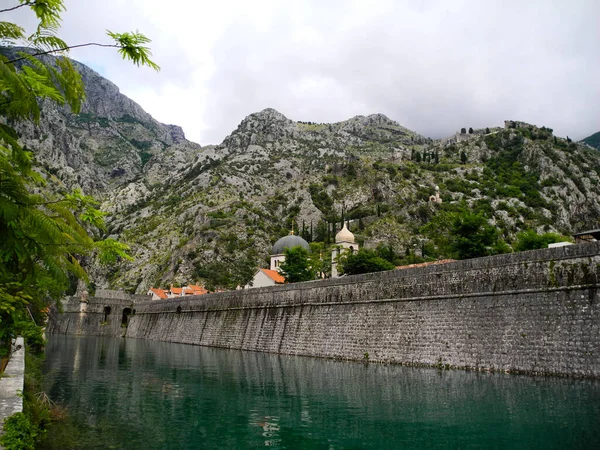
<point x="135" y="394"/>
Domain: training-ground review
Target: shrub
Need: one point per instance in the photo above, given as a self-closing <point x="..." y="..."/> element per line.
<point x="19" y="433"/>
<point x="530" y="240"/>
<point x="470" y="236"/>
<point x="364" y="261"/>
<point x="33" y="335"/>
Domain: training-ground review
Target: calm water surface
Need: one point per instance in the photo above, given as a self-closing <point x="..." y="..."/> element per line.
<point x="135" y="394"/>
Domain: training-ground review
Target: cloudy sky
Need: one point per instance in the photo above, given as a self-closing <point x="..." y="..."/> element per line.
<point x="433" y="66"/>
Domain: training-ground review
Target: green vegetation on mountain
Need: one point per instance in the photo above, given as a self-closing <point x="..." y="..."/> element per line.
<point x="593" y="140"/>
<point x="221" y="212"/>
<point x="210" y="214"/>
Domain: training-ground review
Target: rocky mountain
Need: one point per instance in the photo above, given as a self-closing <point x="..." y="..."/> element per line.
<point x="112" y="142"/>
<point x="593" y="140"/>
<point x="210" y="214"/>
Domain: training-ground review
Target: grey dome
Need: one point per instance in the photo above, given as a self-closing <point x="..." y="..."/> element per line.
<point x="288" y="242"/>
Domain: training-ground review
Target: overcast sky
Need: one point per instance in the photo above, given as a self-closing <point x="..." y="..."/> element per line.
<point x="433" y="66"/>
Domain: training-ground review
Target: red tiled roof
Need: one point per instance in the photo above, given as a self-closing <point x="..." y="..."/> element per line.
<point x="425" y="264"/>
<point x="194" y="287"/>
<point x="161" y="293"/>
<point x="274" y="275"/>
<point x="194" y="290"/>
<point x="176" y="291"/>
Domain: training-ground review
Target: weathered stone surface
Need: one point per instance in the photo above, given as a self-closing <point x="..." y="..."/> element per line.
<point x="535" y="312"/>
<point x="11" y="383"/>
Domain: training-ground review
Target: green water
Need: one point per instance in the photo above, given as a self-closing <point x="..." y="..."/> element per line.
<point x="135" y="394"/>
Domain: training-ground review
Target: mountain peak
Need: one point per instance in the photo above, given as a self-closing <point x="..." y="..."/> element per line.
<point x="269" y="114"/>
<point x="372" y="120"/>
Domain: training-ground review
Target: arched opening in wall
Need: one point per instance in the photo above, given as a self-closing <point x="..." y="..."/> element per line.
<point x="107" y="310"/>
<point x="125" y="317"/>
<point x="133" y="312"/>
<point x="352" y="249"/>
<point x="179" y="310"/>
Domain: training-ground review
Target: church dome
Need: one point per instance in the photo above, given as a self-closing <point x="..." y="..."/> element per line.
<point x="344" y="235"/>
<point x="289" y="242"/>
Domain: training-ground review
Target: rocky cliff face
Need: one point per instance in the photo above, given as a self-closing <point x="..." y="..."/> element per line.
<point x="112" y="142"/>
<point x="193" y="213"/>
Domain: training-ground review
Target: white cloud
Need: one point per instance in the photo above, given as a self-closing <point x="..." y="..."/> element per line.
<point x="434" y="66"/>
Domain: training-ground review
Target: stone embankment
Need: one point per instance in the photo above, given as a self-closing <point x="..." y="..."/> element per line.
<point x="11" y="383"/>
<point x="532" y="312"/>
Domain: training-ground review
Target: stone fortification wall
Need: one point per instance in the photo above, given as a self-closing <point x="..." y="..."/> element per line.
<point x="119" y="295"/>
<point x="534" y="312"/>
<point x="91" y="318"/>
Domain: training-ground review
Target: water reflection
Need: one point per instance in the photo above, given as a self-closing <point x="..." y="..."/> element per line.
<point x="155" y="395"/>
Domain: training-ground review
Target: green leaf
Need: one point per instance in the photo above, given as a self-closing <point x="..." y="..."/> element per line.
<point x="131" y="47"/>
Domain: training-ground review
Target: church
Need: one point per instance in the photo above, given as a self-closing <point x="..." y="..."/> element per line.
<point x="344" y="241"/>
<point x="272" y="276"/>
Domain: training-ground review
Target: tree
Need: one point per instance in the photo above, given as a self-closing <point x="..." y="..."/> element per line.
<point x="471" y="236"/>
<point x="530" y="240"/>
<point x="463" y="157"/>
<point x="487" y="131"/>
<point x="297" y="265"/>
<point x="44" y="235"/>
<point x="363" y="261"/>
<point x="470" y="130"/>
<point x="387" y="252"/>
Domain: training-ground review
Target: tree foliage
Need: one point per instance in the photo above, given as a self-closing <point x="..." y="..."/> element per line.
<point x="471" y="236"/>
<point x="530" y="240"/>
<point x="227" y="274"/>
<point x="297" y="265"/>
<point x="363" y="261"/>
<point x="44" y="235"/>
<point x="460" y="232"/>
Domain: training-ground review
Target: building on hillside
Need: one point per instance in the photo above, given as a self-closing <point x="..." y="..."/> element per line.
<point x="272" y="276"/>
<point x="266" y="277"/>
<point x="587" y="236"/>
<point x="157" y="294"/>
<point x="173" y="292"/>
<point x="344" y="242"/>
<point x="436" y="198"/>
<point x="283" y="244"/>
<point x="193" y="289"/>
